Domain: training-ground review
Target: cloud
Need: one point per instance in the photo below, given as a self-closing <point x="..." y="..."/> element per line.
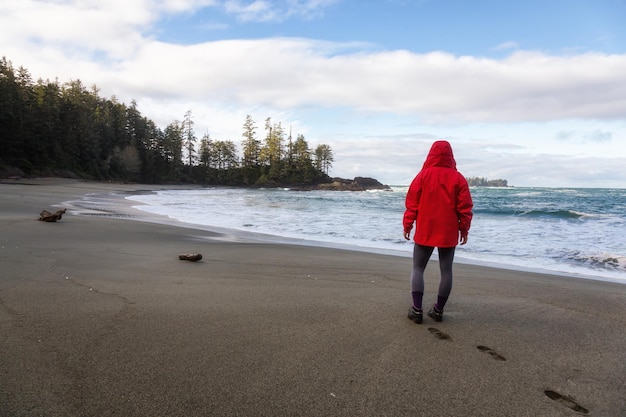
<point x="437" y="87"/>
<point x="506" y="46"/>
<point x="518" y="116"/>
<point x="576" y="137"/>
<point x="565" y="136"/>
<point x="112" y="46"/>
<point x="290" y="73"/>
<point x="260" y="11"/>
<point x="396" y="160"/>
<point x="599" y="137"/>
<point x="275" y="11"/>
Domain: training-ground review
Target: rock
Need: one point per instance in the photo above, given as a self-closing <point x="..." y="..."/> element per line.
<point x="190" y="257"/>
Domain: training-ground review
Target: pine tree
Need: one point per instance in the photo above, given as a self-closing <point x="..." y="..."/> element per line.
<point x="251" y="146"/>
<point x="189" y="139"/>
<point x="323" y="158"/>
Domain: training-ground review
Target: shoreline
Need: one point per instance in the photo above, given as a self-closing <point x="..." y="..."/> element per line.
<point x="99" y="317"/>
<point x="243" y="235"/>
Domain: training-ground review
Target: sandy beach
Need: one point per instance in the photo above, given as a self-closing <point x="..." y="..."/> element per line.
<point x="99" y="317"/>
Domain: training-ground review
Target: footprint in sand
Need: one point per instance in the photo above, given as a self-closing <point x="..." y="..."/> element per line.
<point x="492" y="352"/>
<point x="439" y="334"/>
<point x="567" y="401"/>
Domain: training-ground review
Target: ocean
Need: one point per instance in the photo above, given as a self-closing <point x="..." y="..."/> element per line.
<point x="571" y="231"/>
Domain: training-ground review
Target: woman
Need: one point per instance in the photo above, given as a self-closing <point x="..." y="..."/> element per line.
<point x="440" y="205"/>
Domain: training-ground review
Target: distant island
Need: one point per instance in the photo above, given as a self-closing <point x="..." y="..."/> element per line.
<point x="484" y="182"/>
<point x="343" y="184"/>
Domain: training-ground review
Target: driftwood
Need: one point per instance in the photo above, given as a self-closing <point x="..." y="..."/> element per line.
<point x="190" y="257"/>
<point x="46" y="216"/>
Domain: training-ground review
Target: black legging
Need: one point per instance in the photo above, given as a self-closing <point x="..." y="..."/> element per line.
<point x="421" y="255"/>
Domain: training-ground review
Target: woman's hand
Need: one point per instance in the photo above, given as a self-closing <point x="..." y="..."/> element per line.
<point x="407" y="235"/>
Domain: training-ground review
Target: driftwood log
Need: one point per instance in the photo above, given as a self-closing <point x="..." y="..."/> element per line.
<point x="46" y="216"/>
<point x="190" y="257"/>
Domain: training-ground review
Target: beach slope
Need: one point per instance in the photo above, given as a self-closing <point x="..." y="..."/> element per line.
<point x="99" y="317"/>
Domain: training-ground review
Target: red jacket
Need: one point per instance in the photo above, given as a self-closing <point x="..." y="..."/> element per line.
<point x="438" y="200"/>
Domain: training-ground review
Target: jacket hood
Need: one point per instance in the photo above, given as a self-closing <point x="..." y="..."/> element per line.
<point x="440" y="155"/>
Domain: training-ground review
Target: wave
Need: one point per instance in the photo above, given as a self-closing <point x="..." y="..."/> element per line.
<point x="560" y="214"/>
<point x="534" y="213"/>
<point x="544" y="227"/>
<point x="601" y="260"/>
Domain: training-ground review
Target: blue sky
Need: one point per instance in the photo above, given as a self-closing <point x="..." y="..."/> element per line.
<point x="458" y="27"/>
<point x="533" y="91"/>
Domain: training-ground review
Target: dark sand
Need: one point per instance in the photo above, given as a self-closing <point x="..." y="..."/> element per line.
<point x="99" y="317"/>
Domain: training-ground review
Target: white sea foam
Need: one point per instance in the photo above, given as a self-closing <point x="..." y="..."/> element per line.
<point x="553" y="241"/>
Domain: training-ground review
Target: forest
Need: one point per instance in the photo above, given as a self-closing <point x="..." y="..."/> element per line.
<point x="49" y="128"/>
<point x="484" y="182"/>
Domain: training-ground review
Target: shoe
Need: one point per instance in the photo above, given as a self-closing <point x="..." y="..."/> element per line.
<point x="415" y="315"/>
<point x="435" y="314"/>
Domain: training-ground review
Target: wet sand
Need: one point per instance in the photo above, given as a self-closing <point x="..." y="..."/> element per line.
<point x="99" y="317"/>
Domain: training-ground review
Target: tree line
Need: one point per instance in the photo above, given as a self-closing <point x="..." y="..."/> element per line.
<point x="484" y="182"/>
<point x="49" y="128"/>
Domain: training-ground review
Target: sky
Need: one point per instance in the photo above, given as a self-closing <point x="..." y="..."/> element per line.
<point x="530" y="91"/>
